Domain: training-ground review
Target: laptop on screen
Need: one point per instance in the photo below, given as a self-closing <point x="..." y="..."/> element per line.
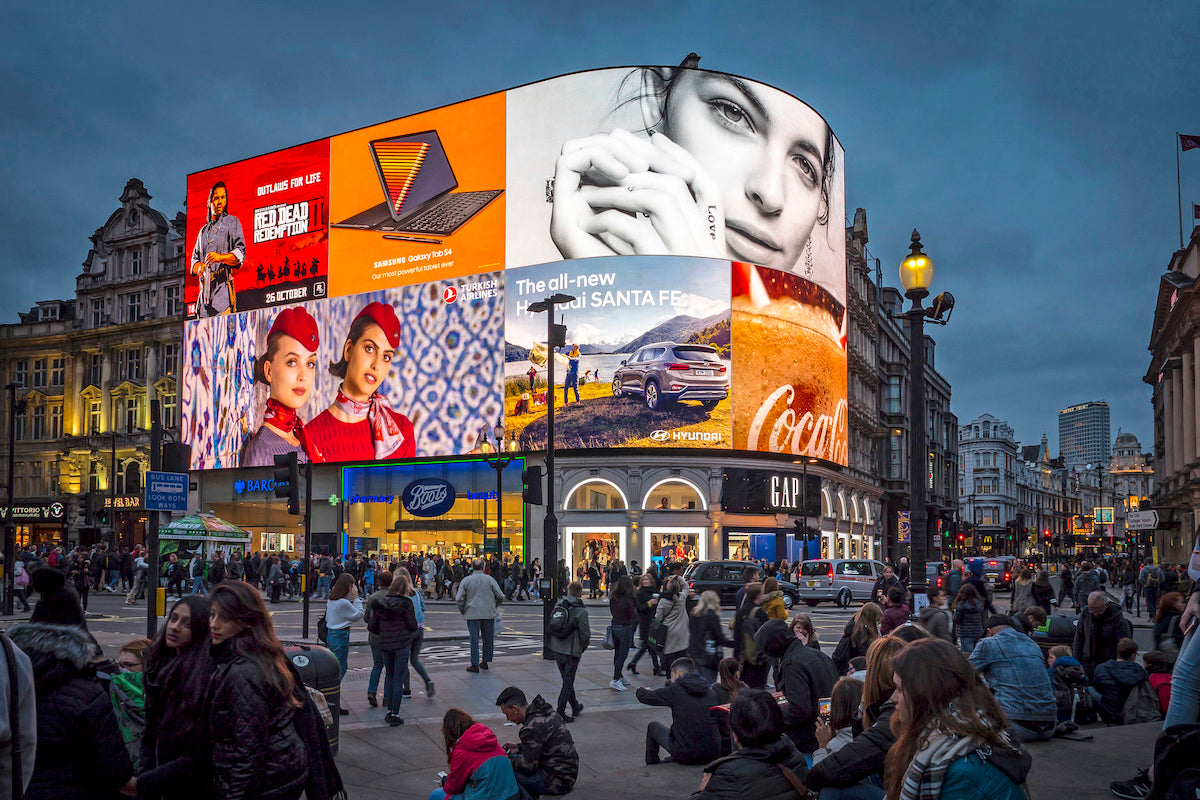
<point x="418" y="186"/>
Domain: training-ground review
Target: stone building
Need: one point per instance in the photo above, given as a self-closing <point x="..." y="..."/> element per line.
<point x="88" y="368"/>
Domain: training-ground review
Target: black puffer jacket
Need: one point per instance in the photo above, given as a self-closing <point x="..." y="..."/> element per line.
<point x="256" y="749"/>
<point x="863" y="757"/>
<point x="397" y="621"/>
<point x="80" y="753"/>
<point x="754" y="772"/>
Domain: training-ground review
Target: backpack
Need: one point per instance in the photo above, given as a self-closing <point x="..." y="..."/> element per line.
<point x="1177" y="764"/>
<point x="562" y="624"/>
<point x="750" y="626"/>
<point x="1086" y="583"/>
<point x="1071" y="695"/>
<point x="1154" y="578"/>
<point x="1141" y="705"/>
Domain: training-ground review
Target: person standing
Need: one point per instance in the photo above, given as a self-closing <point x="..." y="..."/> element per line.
<point x="568" y="648"/>
<point x="623" y="607"/>
<point x="79" y="576"/>
<point x="1043" y="592"/>
<point x="672" y="612"/>
<point x="706" y="640"/>
<point x="414" y="651"/>
<point x="645" y="601"/>
<point x="968" y="618"/>
<point x="197" y="573"/>
<point x="478" y="598"/>
<point x="383" y="581"/>
<point x="176" y="575"/>
<point x="1151" y="577"/>
<point x="395" y="620"/>
<point x="343" y="609"/>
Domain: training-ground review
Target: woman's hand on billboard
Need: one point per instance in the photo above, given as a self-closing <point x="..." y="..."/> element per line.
<point x="620" y="194"/>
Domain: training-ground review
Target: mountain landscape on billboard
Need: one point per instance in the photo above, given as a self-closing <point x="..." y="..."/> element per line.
<point x="712" y="330"/>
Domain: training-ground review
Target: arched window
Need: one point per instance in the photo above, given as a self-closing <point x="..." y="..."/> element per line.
<point x="596" y="494"/>
<point x="133" y="478"/>
<point x="674" y="494"/>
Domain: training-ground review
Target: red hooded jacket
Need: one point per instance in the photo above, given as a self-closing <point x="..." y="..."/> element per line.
<point x="476" y="746"/>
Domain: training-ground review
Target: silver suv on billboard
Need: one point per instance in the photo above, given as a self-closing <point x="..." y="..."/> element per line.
<point x="663" y="373"/>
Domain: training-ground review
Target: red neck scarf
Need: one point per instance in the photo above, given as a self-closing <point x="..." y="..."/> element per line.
<point x="386" y="436"/>
<point x="287" y="420"/>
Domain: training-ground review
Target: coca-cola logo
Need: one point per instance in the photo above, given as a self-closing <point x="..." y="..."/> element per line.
<point x="428" y="497"/>
<point x="785" y="430"/>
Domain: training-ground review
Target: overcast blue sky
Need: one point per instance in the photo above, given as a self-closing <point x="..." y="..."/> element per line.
<point x="1030" y="142"/>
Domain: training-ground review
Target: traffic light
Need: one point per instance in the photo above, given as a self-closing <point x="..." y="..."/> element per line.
<point x="287" y="480"/>
<point x="102" y="516"/>
<point x="531" y="485"/>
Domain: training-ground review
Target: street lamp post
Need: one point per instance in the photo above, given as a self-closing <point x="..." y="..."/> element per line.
<point x="499" y="463"/>
<point x="555" y="336"/>
<point x="916" y="273"/>
<point x="10" y="526"/>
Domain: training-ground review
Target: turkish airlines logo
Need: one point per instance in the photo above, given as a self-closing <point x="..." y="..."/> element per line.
<point x="450" y="295"/>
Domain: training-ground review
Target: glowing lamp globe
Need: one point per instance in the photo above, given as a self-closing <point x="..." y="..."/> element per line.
<point x="916" y="271"/>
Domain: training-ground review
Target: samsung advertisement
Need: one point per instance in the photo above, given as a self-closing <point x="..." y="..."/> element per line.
<point x="366" y="297"/>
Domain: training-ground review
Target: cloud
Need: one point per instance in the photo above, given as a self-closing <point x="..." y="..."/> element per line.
<point x="693" y="305"/>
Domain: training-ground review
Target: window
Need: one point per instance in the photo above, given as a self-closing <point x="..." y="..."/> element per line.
<point x="96" y="370"/>
<point x="97" y="313"/>
<point x="94" y="416"/>
<point x="131" y="364"/>
<point x="891" y="396"/>
<point x="135" y="262"/>
<point x="19" y="478"/>
<point x="39" y="422"/>
<point x="58" y="368"/>
<point x="170" y="409"/>
<point x="19" y="433"/>
<point x="21" y="373"/>
<point x="131" y="414"/>
<point x="169" y="361"/>
<point x="895" y="456"/>
<point x="39" y="373"/>
<point x="47" y="313"/>
<point x="35" y="478"/>
<point x="133" y="306"/>
<point x="171" y="304"/>
<point x="56" y="421"/>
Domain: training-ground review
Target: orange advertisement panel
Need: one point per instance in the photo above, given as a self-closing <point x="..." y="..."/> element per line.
<point x="258" y="232"/>
<point x="418" y="199"/>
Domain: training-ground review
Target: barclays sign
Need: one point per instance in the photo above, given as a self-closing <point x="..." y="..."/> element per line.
<point x="428" y="497"/>
<point x="264" y="485"/>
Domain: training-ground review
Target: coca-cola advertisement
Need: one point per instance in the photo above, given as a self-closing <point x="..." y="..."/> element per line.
<point x="646" y="361"/>
<point x="789" y="337"/>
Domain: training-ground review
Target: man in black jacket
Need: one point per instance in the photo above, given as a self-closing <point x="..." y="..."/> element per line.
<point x="805" y="676"/>
<point x="693" y="737"/>
<point x="1101" y="625"/>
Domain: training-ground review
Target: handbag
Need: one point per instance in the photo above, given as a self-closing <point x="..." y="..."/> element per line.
<point x="322" y="630"/>
<point x="657" y="635"/>
<point x="609" y="643"/>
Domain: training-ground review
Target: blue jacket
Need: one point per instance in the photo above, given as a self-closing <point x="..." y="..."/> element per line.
<point x="491" y="780"/>
<point x="970" y="778"/>
<point x="1012" y="665"/>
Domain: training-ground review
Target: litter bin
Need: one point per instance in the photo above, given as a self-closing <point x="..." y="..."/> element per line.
<point x="319" y="669"/>
<point x="1059" y="629"/>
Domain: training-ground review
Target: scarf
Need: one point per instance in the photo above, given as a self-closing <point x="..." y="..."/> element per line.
<point x="288" y="420"/>
<point x="386" y="436"/>
<point x="939" y="749"/>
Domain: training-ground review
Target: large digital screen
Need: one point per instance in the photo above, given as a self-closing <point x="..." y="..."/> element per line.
<point x="365" y="297"/>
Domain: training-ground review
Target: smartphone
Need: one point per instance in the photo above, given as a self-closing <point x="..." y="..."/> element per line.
<point x="823" y="706"/>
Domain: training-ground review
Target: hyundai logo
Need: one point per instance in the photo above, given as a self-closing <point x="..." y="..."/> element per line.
<point x="661" y="436"/>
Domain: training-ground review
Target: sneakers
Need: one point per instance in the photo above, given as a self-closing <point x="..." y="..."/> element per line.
<point x="618" y="685"/>
<point x="1134" y="789"/>
<point x="393" y="719"/>
<point x="430" y="691"/>
<point x="406" y="693"/>
<point x="577" y="709"/>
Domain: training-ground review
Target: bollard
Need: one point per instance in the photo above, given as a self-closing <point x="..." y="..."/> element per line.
<point x="160" y="601"/>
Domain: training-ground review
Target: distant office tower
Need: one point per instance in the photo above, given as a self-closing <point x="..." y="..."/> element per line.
<point x="1084" y="434"/>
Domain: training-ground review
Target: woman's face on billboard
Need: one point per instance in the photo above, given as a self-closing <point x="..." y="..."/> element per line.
<point x="765" y="151"/>
<point x="367" y="363"/>
<point x="291" y="372"/>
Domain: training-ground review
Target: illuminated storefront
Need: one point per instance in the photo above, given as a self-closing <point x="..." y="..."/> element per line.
<point x="247" y="499"/>
<point x="387" y="509"/>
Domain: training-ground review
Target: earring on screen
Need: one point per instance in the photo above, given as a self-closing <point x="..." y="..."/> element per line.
<point x="549" y="190"/>
<point x="808" y="259"/>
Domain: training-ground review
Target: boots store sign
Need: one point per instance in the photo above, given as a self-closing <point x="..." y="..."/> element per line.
<point x="39" y="512"/>
<point x="428" y="497"/>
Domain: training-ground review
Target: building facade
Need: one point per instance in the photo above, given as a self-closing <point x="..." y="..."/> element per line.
<point x="90" y="367"/>
<point x="1172" y="374"/>
<point x="1085" y="433"/>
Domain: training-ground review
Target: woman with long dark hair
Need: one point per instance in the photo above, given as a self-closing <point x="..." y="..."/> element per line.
<point x="479" y="767"/>
<point x="254" y="702"/>
<point x="623" y="606"/>
<point x="953" y="740"/>
<point x="645" y="601"/>
<point x="342" y="610"/>
<point x="178" y="670"/>
<point x="395" y="620"/>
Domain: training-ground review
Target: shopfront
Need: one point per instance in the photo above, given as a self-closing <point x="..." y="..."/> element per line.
<point x="128" y="518"/>
<point x="446" y="508"/>
<point x="39" y="522"/>
<point x="247" y="498"/>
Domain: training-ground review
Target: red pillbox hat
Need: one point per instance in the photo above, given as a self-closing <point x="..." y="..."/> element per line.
<point x="298" y="324"/>
<point x="385" y="317"/>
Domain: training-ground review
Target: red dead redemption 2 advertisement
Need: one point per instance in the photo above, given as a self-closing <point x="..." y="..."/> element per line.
<point x="258" y="232"/>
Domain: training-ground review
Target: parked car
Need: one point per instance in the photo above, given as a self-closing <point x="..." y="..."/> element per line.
<point x="840" y="580"/>
<point x="667" y="372"/>
<point x="934" y="570"/>
<point x="997" y="570"/>
<point x="726" y="577"/>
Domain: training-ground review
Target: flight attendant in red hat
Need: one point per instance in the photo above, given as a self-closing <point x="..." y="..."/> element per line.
<point x="360" y="425"/>
<point x="289" y="369"/>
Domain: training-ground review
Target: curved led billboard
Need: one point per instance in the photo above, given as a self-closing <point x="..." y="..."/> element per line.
<point x="366" y="296"/>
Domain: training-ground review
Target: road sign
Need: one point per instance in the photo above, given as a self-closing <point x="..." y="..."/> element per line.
<point x="166" y="491"/>
<point x="1142" y="520"/>
<point x="1103" y="516"/>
